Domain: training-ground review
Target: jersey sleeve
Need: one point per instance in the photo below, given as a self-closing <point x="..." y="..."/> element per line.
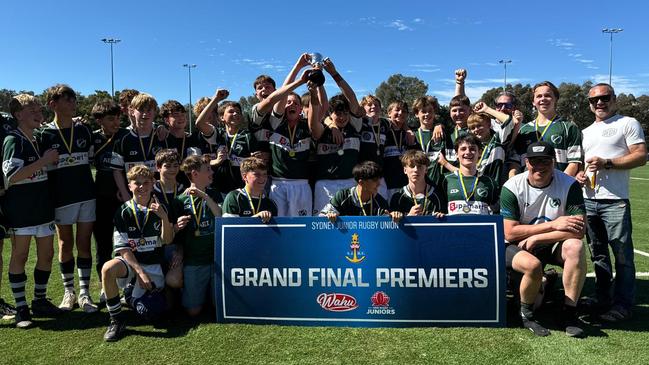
<point x="633" y="133"/>
<point x="575" y="200"/>
<point x="117" y="157"/>
<point x="231" y="206"/>
<point x="334" y="205"/>
<point x="12" y="161"/>
<point x="120" y="232"/>
<point x="573" y="146"/>
<point x="509" y="208"/>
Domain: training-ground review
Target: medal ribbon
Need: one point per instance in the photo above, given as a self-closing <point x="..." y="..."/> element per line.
<point x="536" y="127"/>
<point x="199" y="214"/>
<point x="65" y="143"/>
<point x="104" y="145"/>
<point x="145" y="154"/>
<point x="377" y="135"/>
<point x="421" y="141"/>
<point x="361" y="203"/>
<point x="398" y="144"/>
<point x="487" y="148"/>
<point x="252" y="205"/>
<point x="291" y="134"/>
<point x="414" y="200"/>
<point x="467" y="197"/>
<point x="164" y="191"/>
<point x="136" y="212"/>
<point x="30" y="142"/>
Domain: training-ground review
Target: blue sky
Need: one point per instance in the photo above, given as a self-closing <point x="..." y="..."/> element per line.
<point x="47" y="42"/>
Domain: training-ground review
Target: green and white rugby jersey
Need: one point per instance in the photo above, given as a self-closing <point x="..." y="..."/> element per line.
<point x="26" y="203"/>
<point x="131" y="150"/>
<point x="521" y="202"/>
<point x="403" y="200"/>
<point x="335" y="161"/>
<point x="395" y="146"/>
<point x="494" y="152"/>
<point x="346" y="203"/>
<point x="198" y="236"/>
<point x="373" y="139"/>
<point x="482" y="193"/>
<point x="71" y="179"/>
<point x="561" y="134"/>
<point x="289" y="149"/>
<point x="435" y="172"/>
<point x="139" y="232"/>
<point x="241" y="145"/>
<point x="238" y="204"/>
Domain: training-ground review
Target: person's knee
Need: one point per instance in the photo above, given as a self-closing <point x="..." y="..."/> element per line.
<point x="572" y="249"/>
<point x="109" y="270"/>
<point x="528" y="265"/>
<point x="174" y="279"/>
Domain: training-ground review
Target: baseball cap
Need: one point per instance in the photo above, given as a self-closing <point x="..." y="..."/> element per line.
<point x="540" y="149"/>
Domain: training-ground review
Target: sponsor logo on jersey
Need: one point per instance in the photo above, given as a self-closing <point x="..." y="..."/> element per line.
<point x="81" y="143"/>
<point x="482" y="192"/>
<point x="556" y="138"/>
<point x="455" y="191"/>
<point x="337" y="302"/>
<point x="609" y="132"/>
<point x="555" y="202"/>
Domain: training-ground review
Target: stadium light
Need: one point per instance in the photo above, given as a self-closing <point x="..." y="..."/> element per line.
<point x="611" y="31"/>
<point x="111" y="41"/>
<point x="189" y="67"/>
<point x="504" y="63"/>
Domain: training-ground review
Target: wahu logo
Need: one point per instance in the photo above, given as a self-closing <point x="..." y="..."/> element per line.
<point x="337" y="302"/>
<point x="357" y="254"/>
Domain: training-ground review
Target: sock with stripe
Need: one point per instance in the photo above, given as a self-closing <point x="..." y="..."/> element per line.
<point x="41" y="277"/>
<point x="114" y="307"/>
<point x="17" y="282"/>
<point x="67" y="273"/>
<point x="84" y="268"/>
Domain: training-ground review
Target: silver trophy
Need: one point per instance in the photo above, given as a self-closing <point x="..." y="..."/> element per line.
<point x="316" y="59"/>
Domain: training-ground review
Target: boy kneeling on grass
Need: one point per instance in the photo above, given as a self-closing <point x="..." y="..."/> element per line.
<point x="362" y="199"/>
<point x="250" y="201"/>
<point x="137" y="241"/>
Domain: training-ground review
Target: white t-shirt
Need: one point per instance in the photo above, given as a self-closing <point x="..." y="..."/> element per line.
<point x="610" y="138"/>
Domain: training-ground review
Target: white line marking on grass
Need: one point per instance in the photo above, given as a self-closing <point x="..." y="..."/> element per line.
<point x="639" y="178"/>
<point x="641" y="252"/>
<point x="637" y="275"/>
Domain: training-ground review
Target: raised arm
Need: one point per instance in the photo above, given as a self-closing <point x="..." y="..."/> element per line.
<point x="301" y="62"/>
<point x="202" y="123"/>
<point x="314" y="118"/>
<point x="265" y="105"/>
<point x="354" y="107"/>
<point x="460" y="77"/>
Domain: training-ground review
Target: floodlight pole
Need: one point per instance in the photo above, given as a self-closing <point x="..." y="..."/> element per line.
<point x="111" y="42"/>
<point x="189" y="67"/>
<point x="611" y="31"/>
<point x="504" y="63"/>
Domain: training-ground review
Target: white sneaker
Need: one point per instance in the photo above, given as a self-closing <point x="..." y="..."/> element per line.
<point x="86" y="304"/>
<point x="69" y="299"/>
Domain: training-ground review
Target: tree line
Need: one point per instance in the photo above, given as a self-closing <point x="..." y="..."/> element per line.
<point x="572" y="105"/>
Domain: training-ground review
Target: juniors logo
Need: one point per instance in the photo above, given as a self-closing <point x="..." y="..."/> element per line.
<point x="380" y="304"/>
<point x="337" y="302"/>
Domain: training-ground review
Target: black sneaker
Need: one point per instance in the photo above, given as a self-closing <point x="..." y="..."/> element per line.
<point x="115" y="330"/>
<point x="531" y="324"/>
<point x="573" y="328"/>
<point x="44" y="308"/>
<point x="7" y="311"/>
<point x="23" y="317"/>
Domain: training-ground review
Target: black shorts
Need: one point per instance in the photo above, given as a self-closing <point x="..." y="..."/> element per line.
<point x="545" y="253"/>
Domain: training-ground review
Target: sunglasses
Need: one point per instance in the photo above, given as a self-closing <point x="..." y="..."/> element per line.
<point x="604" y="98"/>
<point x="504" y="105"/>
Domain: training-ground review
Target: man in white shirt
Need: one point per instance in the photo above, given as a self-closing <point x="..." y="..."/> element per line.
<point x="613" y="145"/>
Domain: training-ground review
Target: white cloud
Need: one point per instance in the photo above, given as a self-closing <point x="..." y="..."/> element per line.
<point x="623" y="84"/>
<point x="423" y="65"/>
<point x="584" y="61"/>
<point x="399" y="25"/>
<point x="427" y="70"/>
<point x="417" y="20"/>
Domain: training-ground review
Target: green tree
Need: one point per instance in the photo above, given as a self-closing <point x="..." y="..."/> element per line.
<point x="399" y="87"/>
<point x="573" y="103"/>
<point x="246" y="106"/>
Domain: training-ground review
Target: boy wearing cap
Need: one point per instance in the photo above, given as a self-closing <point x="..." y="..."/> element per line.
<point x="544" y="220"/>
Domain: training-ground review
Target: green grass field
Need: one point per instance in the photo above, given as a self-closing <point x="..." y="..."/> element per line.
<point x="76" y="337"/>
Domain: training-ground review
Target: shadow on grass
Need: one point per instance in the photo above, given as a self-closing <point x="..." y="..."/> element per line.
<point x="549" y="314"/>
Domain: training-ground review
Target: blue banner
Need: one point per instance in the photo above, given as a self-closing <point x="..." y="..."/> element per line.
<point x="361" y="271"/>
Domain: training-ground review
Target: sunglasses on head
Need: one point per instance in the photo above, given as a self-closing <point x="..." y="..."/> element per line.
<point x="504" y="105"/>
<point x="604" y="98"/>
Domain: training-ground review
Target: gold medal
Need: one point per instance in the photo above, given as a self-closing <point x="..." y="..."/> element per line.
<point x="341" y="152"/>
<point x="378" y="152"/>
<point x="197" y="233"/>
<point x="142" y="241"/>
<point x="291" y="153"/>
<point x="466" y="209"/>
